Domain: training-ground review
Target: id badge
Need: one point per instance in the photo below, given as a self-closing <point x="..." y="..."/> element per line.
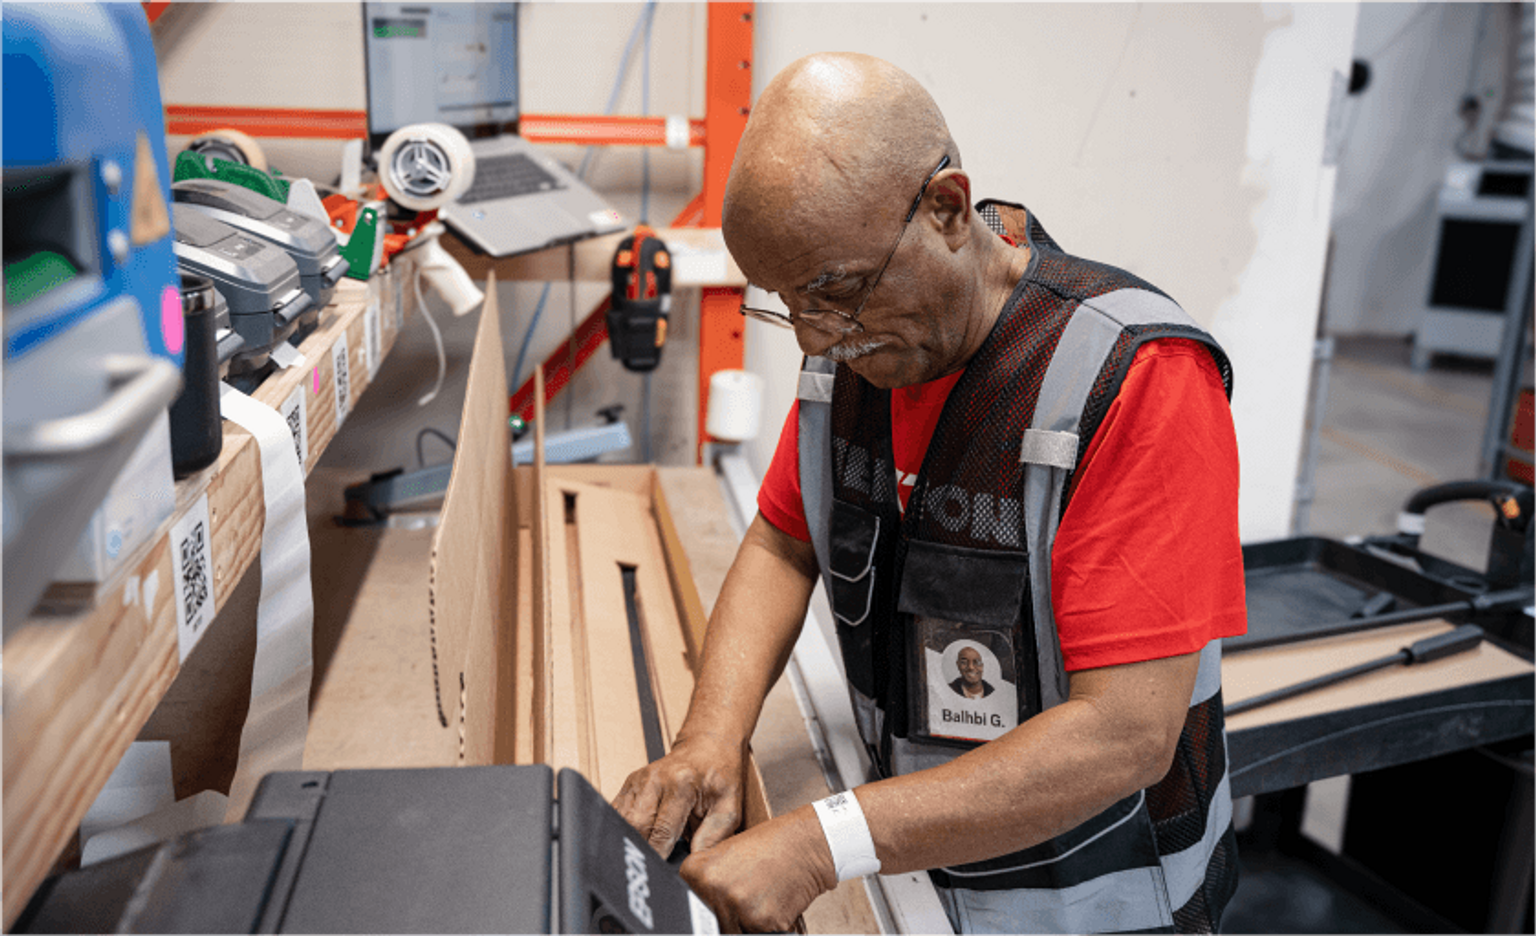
<point x="970" y="687"/>
<point x="963" y="610"/>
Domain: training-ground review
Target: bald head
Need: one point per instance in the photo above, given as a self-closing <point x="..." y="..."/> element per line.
<point x="835" y="132"/>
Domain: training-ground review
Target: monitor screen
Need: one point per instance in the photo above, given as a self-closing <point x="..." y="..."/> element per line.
<point x="453" y="63"/>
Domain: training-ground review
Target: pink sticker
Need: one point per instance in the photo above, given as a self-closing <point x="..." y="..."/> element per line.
<point x="317" y="380"/>
<point x="172" y="328"/>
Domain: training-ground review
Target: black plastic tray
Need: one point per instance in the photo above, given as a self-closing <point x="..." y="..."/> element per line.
<point x="1303" y="584"/>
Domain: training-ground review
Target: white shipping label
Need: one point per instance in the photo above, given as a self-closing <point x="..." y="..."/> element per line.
<point x="343" y="378"/>
<point x="192" y="571"/>
<point x="295" y="413"/>
<point x="373" y="350"/>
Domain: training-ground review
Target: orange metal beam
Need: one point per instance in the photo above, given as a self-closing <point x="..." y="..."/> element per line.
<point x="590" y="130"/>
<point x="728" y="90"/>
<point x="192" y="119"/>
<point x="579" y="129"/>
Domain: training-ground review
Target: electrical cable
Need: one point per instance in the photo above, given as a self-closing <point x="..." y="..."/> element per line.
<point x="421" y="460"/>
<point x="437" y="338"/>
<point x="645" y="214"/>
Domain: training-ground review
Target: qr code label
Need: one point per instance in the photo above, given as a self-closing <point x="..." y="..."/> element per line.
<point x="192" y="571"/>
<point x="296" y="415"/>
<point x="373" y="351"/>
<point x="343" y="378"/>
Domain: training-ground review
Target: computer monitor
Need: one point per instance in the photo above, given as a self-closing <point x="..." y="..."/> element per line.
<point x="452" y="63"/>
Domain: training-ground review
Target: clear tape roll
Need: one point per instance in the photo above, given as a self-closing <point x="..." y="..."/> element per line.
<point x="425" y="166"/>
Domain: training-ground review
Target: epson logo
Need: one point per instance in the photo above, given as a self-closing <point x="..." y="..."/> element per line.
<point x="639" y="883"/>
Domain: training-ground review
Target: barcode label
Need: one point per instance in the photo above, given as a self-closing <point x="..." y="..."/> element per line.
<point x="373" y="350"/>
<point x="296" y="415"/>
<point x="192" y="571"/>
<point x="343" y="378"/>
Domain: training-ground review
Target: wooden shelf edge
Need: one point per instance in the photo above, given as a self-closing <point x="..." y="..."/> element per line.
<point x="79" y="687"/>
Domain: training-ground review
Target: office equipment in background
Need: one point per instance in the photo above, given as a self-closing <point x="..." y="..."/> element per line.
<point x="456" y="64"/>
<point x="310" y="242"/>
<point x="1479" y="291"/>
<point x="258" y="280"/>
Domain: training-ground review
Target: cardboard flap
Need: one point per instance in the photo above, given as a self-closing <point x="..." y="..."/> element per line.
<point x="469" y="587"/>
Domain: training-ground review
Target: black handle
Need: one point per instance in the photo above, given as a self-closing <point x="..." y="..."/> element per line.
<point x="1443" y="645"/>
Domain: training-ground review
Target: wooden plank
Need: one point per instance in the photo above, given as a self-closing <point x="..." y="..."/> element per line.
<point x="81" y="681"/>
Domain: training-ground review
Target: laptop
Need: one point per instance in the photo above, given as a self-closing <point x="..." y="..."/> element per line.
<point x="456" y="63"/>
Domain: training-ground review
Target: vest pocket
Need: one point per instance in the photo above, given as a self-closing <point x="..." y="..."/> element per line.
<point x="962" y="610"/>
<point x="855" y="537"/>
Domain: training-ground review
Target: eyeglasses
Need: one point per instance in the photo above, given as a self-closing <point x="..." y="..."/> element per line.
<point x="833" y="319"/>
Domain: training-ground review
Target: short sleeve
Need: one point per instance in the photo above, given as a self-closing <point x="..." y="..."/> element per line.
<point x="778" y="499"/>
<point x="1148" y="561"/>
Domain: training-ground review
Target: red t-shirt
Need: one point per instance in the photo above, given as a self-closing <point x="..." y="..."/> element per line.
<point x="1147" y="562"/>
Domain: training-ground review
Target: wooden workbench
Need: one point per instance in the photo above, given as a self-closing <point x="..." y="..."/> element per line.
<point x="82" y="679"/>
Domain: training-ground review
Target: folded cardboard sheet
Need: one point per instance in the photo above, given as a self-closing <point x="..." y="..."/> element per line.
<point x="504" y="636"/>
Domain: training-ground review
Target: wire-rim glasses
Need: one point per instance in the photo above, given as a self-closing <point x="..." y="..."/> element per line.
<point x="846" y="323"/>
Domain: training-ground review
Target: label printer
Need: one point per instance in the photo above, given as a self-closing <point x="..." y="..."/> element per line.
<point x="431" y="850"/>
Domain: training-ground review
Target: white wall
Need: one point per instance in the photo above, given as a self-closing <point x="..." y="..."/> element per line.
<point x="1399" y="136"/>
<point x="1183" y="142"/>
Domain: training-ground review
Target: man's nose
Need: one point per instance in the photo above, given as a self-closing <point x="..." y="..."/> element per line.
<point x="814" y="341"/>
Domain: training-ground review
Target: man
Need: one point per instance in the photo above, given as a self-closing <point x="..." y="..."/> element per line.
<point x="956" y="359"/>
<point x="970" y="683"/>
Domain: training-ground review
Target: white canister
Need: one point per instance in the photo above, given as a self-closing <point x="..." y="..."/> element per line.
<point x="735" y="406"/>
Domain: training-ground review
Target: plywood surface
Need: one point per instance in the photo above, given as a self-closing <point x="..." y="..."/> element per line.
<point x="1253" y="672"/>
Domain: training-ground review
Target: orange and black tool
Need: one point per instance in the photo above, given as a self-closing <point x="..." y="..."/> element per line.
<point x="642" y="297"/>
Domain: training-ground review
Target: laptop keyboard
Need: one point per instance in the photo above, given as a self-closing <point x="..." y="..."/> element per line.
<point x="508" y="176"/>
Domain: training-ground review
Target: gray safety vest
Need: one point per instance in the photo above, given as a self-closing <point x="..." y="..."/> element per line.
<point x="969" y="564"/>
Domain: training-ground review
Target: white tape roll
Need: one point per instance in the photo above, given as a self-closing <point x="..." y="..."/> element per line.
<point x="426" y="166"/>
<point x="225" y="143"/>
<point x="735" y="406"/>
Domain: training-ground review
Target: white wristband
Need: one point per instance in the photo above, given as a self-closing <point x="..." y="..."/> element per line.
<point x="847" y="832"/>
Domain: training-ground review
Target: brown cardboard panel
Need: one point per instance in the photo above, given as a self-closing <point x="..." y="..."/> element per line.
<point x="523" y="663"/>
<point x="466" y="586"/>
<point x="566" y="672"/>
<point x="606" y="523"/>
<point x="1248" y="674"/>
<point x="636" y="479"/>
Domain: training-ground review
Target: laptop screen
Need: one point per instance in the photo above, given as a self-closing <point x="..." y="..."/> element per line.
<point x="452" y="63"/>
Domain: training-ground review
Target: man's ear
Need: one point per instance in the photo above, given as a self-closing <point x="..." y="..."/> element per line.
<point x="949" y="197"/>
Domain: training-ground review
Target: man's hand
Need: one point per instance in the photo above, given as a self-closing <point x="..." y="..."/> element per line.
<point x="762" y="879"/>
<point x="701" y="777"/>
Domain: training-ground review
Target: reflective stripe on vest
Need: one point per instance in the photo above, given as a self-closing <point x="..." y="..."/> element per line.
<point x="1136" y="897"/>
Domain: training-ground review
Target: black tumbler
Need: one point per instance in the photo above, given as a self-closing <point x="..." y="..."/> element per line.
<point x="197" y="431"/>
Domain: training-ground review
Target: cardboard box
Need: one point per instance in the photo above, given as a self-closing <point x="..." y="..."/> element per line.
<point x="504" y="635"/>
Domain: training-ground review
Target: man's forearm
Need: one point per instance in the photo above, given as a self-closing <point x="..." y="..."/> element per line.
<point x="752" y="632"/>
<point x="1114" y="736"/>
